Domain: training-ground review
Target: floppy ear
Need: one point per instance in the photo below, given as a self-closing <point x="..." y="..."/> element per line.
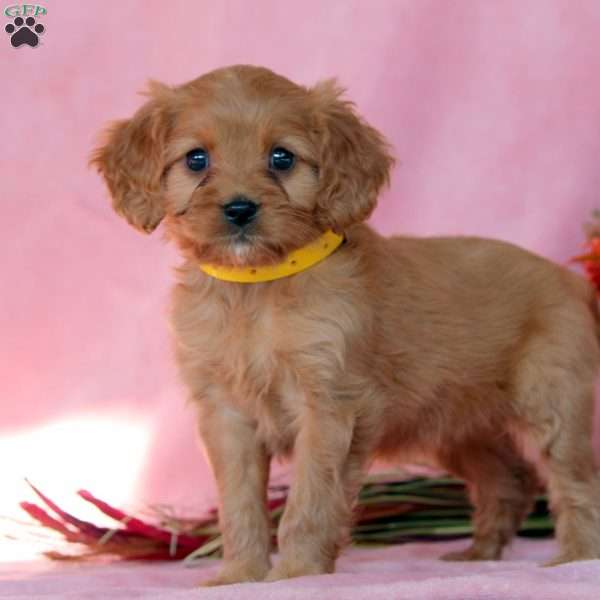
<point x="354" y="160"/>
<point x="131" y="160"/>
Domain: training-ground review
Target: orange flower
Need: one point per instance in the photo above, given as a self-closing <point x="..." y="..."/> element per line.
<point x="591" y="261"/>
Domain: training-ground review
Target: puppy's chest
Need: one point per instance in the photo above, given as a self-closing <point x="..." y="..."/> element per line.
<point x="248" y="351"/>
<point x="263" y="351"/>
<point x="242" y="346"/>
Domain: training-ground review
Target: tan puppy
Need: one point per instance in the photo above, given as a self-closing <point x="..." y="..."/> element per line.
<point x="448" y="347"/>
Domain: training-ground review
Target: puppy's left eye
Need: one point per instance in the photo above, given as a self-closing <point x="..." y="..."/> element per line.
<point x="197" y="159"/>
<point x="281" y="159"/>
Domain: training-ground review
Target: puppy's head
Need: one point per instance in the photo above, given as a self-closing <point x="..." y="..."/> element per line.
<point x="244" y="165"/>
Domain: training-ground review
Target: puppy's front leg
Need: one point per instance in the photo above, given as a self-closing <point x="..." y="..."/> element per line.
<point x="241" y="467"/>
<point x="317" y="513"/>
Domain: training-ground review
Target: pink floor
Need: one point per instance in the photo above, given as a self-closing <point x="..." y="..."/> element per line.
<point x="404" y="572"/>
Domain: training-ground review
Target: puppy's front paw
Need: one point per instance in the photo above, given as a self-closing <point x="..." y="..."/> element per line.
<point x="490" y="552"/>
<point x="286" y="570"/>
<point x="561" y="559"/>
<point x="238" y="573"/>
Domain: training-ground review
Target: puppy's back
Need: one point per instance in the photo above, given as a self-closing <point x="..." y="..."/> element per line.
<point x="463" y="307"/>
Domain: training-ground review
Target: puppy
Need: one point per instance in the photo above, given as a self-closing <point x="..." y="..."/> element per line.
<point x="300" y="331"/>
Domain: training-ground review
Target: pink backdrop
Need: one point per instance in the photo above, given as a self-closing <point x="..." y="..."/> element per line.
<point x="493" y="109"/>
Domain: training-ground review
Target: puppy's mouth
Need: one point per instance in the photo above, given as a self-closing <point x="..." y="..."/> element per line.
<point x="247" y="247"/>
<point x="257" y="243"/>
<point x="241" y="236"/>
<point x="241" y="244"/>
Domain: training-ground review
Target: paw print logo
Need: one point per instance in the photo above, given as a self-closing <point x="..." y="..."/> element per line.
<point x="24" y="32"/>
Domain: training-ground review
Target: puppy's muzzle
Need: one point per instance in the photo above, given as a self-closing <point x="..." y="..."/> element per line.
<point x="240" y="211"/>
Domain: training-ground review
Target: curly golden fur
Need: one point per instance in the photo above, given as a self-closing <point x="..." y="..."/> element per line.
<point x="452" y="348"/>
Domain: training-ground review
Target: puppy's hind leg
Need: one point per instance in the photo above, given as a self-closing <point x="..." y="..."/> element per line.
<point x="502" y="487"/>
<point x="554" y="387"/>
<point x="564" y="435"/>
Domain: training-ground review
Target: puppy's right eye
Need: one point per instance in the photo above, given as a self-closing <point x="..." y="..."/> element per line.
<point x="281" y="159"/>
<point x="197" y="159"/>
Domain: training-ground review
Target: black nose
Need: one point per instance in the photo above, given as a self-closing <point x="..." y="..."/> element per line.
<point x="240" y="211"/>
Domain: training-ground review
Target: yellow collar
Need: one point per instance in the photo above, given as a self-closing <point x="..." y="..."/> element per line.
<point x="296" y="261"/>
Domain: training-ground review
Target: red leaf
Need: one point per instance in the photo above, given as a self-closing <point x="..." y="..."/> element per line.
<point x="83" y="526"/>
<point x="40" y="515"/>
<point x="138" y="526"/>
